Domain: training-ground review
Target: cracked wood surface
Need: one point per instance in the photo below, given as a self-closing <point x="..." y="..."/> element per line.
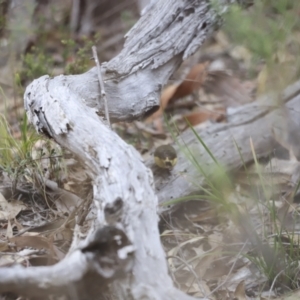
<point x="154" y="48"/>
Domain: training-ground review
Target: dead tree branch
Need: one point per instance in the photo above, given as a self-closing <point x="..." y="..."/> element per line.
<point x="63" y="108"/>
<point x="253" y="120"/>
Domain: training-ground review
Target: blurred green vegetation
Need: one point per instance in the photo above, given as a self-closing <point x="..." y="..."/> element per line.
<point x="83" y="54"/>
<point x="15" y="153"/>
<point x="75" y="59"/>
<point x="270" y="30"/>
<point x="35" y="64"/>
<point x="21" y="157"/>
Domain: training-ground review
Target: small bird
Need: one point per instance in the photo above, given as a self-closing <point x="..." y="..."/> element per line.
<point x="165" y="157"/>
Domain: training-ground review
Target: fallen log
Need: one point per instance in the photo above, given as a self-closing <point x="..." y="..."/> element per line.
<point x="251" y="121"/>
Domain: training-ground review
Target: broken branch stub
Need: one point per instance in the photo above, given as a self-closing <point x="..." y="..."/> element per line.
<point x="84" y="274"/>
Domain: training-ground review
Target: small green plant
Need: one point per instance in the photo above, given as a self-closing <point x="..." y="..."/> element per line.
<point x="278" y="259"/>
<point x="35" y="64"/>
<point x="78" y="61"/>
<point x="15" y="155"/>
<point x="19" y="159"/>
<point x="218" y="183"/>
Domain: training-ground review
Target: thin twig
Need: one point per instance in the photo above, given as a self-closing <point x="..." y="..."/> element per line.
<point x="102" y="90"/>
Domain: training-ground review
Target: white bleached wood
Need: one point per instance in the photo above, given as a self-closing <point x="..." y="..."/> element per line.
<point x="63" y="108"/>
<point x="119" y="173"/>
<point x="168" y="33"/>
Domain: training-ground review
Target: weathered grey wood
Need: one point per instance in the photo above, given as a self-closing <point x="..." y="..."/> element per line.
<point x="118" y="173"/>
<point x="165" y="35"/>
<point x="254" y="120"/>
<point x="124" y="195"/>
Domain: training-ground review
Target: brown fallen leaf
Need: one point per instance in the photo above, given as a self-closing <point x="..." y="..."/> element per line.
<point x="193" y="81"/>
<point x="206" y="261"/>
<point x="201" y="115"/>
<point x="9" y="210"/>
<point x="207" y="215"/>
<point x="166" y="95"/>
<point x="240" y="291"/>
<point x="3" y="246"/>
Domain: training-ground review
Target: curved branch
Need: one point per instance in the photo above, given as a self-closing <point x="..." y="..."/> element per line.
<point x="123" y="187"/>
<point x="124" y="196"/>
